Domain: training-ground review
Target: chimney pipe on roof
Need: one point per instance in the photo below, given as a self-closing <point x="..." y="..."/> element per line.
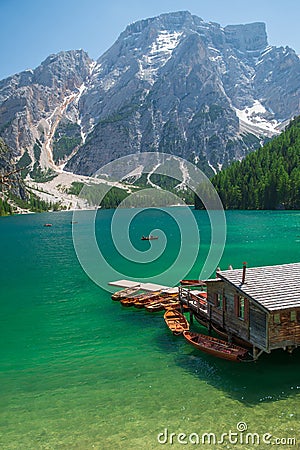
<point x="244" y="272"/>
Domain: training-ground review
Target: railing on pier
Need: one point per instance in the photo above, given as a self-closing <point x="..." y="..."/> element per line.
<point x="194" y="301"/>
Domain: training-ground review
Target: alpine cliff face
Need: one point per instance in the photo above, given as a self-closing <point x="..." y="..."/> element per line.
<point x="171" y="83"/>
<point x="34" y="102"/>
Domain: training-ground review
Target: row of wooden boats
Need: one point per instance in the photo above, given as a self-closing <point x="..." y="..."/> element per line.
<point x="151" y="301"/>
<point x="178" y="324"/>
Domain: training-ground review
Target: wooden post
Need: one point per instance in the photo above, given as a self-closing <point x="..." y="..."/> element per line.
<point x="209" y="320"/>
<point x="180" y="297"/>
<point x="256" y="353"/>
<point x="191" y="317"/>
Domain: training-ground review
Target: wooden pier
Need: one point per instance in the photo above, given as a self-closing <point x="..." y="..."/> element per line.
<point x="195" y="303"/>
<point x="257" y="308"/>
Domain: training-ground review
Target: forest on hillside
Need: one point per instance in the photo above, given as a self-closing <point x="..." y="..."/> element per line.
<point x="268" y="178"/>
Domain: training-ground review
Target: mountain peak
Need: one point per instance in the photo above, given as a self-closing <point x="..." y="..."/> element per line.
<point x="172" y="83"/>
<point x="174" y="21"/>
<point x="247" y="37"/>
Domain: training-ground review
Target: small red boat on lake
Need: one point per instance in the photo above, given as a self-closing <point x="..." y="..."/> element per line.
<point x="149" y="238"/>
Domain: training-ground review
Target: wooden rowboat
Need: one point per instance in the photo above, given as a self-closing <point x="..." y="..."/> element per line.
<point x="155" y="306"/>
<point x="192" y="283"/>
<point x="128" y="301"/>
<point x="140" y="300"/>
<point x="161" y="303"/>
<point x="235" y="339"/>
<point x="124" y="293"/>
<point x="142" y="303"/>
<point x="216" y="347"/>
<point x="176" y="321"/>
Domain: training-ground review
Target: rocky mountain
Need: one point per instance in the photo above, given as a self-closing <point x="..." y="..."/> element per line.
<point x="10" y="178"/>
<point x="171" y="83"/>
<point x="34" y="103"/>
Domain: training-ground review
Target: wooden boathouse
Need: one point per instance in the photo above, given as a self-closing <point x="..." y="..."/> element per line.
<point x="259" y="305"/>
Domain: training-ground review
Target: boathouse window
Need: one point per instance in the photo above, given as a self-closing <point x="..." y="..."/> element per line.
<point x="219" y="300"/>
<point x="277" y="318"/>
<point x="293" y="316"/>
<point x="241" y="307"/>
<point x="241" y="310"/>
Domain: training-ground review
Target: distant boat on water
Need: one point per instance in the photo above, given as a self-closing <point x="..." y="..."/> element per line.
<point x="149" y="238"/>
<point x="47" y="224"/>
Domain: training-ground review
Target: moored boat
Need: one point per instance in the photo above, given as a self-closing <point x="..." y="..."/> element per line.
<point x="47" y="224"/>
<point x="155" y="306"/>
<point x="142" y="303"/>
<point x="176" y="321"/>
<point x="127" y="301"/>
<point x="192" y="283"/>
<point x="124" y="293"/>
<point x="140" y="299"/>
<point x="172" y="305"/>
<point x="161" y="303"/>
<point x="235" y="340"/>
<point x="149" y="238"/>
<point x="216" y="347"/>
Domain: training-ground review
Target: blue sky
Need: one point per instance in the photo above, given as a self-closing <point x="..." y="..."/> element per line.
<point x="33" y="29"/>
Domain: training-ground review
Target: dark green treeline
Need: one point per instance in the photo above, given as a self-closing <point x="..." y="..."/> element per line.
<point x="268" y="178"/>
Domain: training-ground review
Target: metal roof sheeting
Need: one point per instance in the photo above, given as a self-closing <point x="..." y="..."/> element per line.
<point x="273" y="287"/>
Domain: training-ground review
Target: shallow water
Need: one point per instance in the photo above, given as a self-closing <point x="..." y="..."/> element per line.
<point x="78" y="371"/>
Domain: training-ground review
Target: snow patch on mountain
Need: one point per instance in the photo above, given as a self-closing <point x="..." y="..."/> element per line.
<point x="160" y="52"/>
<point x="212" y="168"/>
<point x="254" y="117"/>
<point x="93" y="66"/>
<point x="216" y="57"/>
<point x="81" y="89"/>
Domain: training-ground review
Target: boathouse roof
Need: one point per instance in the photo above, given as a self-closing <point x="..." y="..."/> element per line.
<point x="274" y="287"/>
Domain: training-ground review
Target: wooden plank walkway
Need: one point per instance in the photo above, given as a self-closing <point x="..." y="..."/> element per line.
<point x="196" y="304"/>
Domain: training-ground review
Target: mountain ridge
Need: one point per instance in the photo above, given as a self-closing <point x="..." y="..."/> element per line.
<point x="171" y="83"/>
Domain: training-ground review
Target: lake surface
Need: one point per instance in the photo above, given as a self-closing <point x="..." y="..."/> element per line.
<point x="78" y="371"/>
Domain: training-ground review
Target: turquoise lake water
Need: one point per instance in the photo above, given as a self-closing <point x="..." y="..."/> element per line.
<point x="78" y="371"/>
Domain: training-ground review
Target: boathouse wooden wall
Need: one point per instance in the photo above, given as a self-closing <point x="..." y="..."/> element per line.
<point x="258" y="325"/>
<point x="286" y="332"/>
<point x="253" y="329"/>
